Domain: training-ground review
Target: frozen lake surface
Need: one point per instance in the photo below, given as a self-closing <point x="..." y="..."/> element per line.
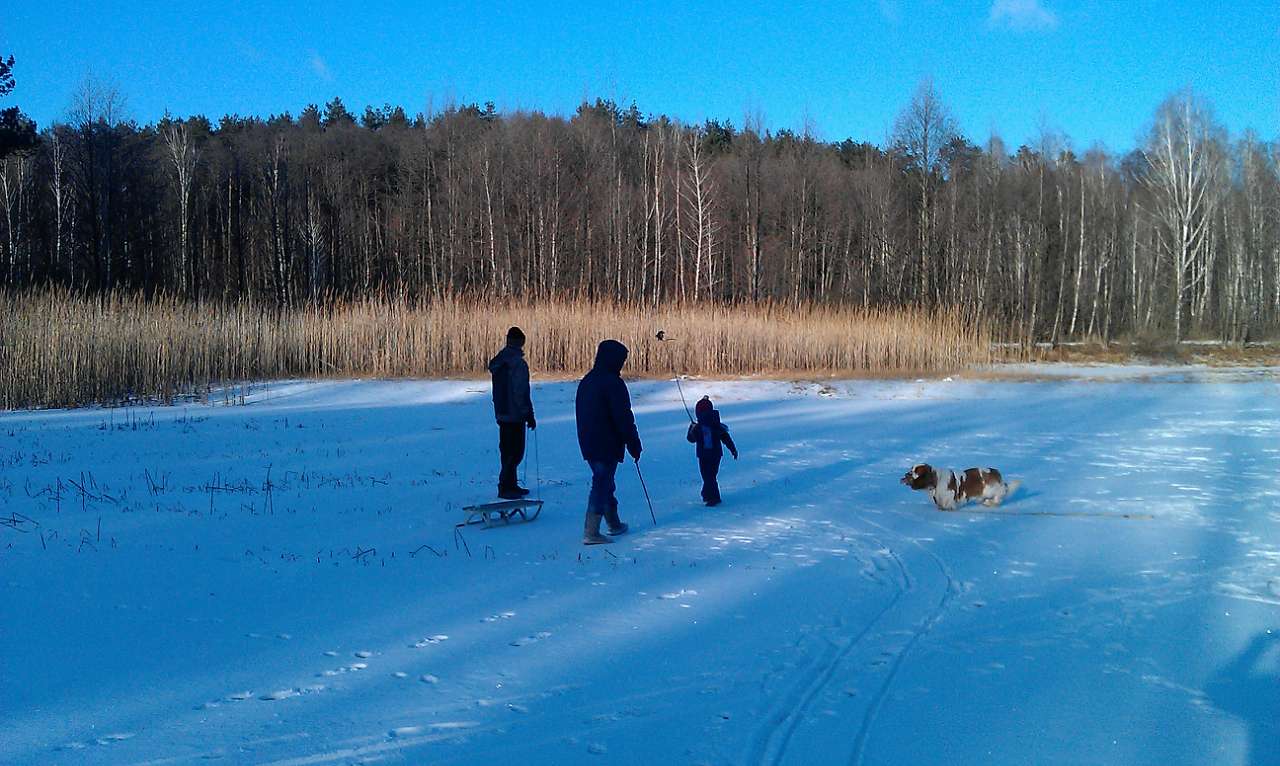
<point x="281" y="582"/>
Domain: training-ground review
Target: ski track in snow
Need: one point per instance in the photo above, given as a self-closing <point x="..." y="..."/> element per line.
<point x="923" y="626"/>
<point x="769" y="744"/>
<point x="289" y="571"/>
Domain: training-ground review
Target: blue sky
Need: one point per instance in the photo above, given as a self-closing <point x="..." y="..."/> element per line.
<point x="1092" y="69"/>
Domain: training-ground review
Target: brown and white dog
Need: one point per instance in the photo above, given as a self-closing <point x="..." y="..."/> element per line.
<point x="950" y="489"/>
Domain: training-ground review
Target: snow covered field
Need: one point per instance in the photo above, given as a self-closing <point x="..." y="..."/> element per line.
<point x="281" y="582"/>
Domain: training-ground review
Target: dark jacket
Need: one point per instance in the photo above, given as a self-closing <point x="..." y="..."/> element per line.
<point x="605" y="422"/>
<point x="511" y="401"/>
<point x="709" y="433"/>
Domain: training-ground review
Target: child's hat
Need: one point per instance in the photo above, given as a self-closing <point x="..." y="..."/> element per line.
<point x="703" y="405"/>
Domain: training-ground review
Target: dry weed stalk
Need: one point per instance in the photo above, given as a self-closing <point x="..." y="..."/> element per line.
<point x="62" y="349"/>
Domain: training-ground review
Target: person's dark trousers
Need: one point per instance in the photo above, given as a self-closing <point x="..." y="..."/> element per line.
<point x="602" y="498"/>
<point x="511" y="449"/>
<point x="709" y="466"/>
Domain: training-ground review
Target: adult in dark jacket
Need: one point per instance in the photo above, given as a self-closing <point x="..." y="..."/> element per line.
<point x="606" y="428"/>
<point x="707" y="435"/>
<point x="513" y="409"/>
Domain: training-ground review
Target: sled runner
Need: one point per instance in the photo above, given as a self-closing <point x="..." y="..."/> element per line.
<point x="504" y="511"/>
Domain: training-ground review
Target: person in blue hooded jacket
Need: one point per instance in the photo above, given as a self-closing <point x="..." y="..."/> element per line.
<point x="606" y="427"/>
<point x="708" y="434"/>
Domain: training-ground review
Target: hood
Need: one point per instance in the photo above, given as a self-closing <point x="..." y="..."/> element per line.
<point x="708" y="417"/>
<point x="505" y="357"/>
<point x="610" y="356"/>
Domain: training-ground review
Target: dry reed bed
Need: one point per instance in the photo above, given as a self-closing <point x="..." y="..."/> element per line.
<point x="58" y="349"/>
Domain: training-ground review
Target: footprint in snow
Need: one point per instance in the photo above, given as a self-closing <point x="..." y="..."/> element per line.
<point x="111" y="739"/>
<point x="499" y="616"/>
<point x="429" y="640"/>
<point x="363" y="654"/>
<point x="239" y="696"/>
<point x="429" y="679"/>
<point x="400" y="674"/>
<point x="531" y="639"/>
<point x="452" y="725"/>
<point x="352" y="668"/>
<point x="680" y="594"/>
<point x="284" y="694"/>
<point x="597" y="748"/>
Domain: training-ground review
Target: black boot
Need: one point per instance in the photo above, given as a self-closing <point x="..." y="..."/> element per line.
<point x="591" y="531"/>
<point x="616" y="527"/>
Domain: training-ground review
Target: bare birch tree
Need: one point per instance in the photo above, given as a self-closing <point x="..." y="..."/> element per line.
<point x="1183" y="176"/>
<point x="920" y="132"/>
<point x="58" y="188"/>
<point x="699" y="194"/>
<point x="183" y="156"/>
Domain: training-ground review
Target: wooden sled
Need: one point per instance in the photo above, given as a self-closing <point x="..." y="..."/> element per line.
<point x="504" y="511"/>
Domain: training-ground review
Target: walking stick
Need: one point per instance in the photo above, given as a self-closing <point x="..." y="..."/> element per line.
<point x="524" y="470"/>
<point x="662" y="338"/>
<point x="646" y="493"/>
<point x="682" y="401"/>
<point x="537" y="464"/>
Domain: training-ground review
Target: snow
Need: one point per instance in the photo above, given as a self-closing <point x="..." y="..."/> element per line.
<point x="280" y="582"/>
<point x="1136" y="373"/>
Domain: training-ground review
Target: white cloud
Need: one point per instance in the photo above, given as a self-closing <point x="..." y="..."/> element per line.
<point x="319" y="67"/>
<point x="1022" y="15"/>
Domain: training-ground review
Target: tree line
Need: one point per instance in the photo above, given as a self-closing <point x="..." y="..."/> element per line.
<point x="1179" y="237"/>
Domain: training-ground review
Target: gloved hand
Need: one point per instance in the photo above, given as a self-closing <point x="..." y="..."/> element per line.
<point x="635" y="450"/>
<point x="735" y="454"/>
<point x="532" y="422"/>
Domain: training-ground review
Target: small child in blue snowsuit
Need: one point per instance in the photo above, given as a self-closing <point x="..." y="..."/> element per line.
<point x="707" y="434"/>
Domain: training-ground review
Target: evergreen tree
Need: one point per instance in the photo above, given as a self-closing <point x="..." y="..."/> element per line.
<point x="17" y="131"/>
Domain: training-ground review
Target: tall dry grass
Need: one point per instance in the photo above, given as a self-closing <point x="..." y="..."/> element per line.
<point x="60" y="349"/>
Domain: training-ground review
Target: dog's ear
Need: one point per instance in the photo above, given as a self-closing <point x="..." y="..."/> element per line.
<point x="921" y="476"/>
